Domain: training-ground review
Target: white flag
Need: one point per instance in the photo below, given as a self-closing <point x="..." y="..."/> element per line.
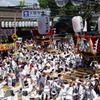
<point x="96" y="45"/>
<point x="85" y="27"/>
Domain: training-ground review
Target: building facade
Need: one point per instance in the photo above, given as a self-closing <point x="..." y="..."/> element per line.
<point x="11" y="21"/>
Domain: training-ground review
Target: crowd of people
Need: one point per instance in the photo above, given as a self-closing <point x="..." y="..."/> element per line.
<point x="40" y="74"/>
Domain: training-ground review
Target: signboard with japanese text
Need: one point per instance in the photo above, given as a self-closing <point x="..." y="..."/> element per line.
<point x="7" y="46"/>
<point x="99" y="24"/>
<point x="27" y="14"/>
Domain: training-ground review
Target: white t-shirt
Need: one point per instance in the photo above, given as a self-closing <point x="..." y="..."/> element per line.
<point x="14" y="64"/>
<point x="32" y="72"/>
<point x="13" y="76"/>
<point x="47" y="87"/>
<point x="22" y="74"/>
<point x="27" y="69"/>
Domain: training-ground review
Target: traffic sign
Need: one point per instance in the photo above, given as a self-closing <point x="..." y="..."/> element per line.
<point x="14" y="36"/>
<point x="27" y="14"/>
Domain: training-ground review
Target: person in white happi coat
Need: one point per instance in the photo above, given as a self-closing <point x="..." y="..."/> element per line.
<point x="28" y="79"/>
<point x="22" y="74"/>
<point x="14" y="92"/>
<point x="80" y="90"/>
<point x="27" y="68"/>
<point x="46" y="90"/>
<point x="66" y="92"/>
<point x="14" y="64"/>
<point x="4" y="69"/>
<point x="42" y="80"/>
<point x="0" y="71"/>
<point x="34" y="93"/>
<point x="55" y="88"/>
<point x="69" y="91"/>
<point x="90" y="93"/>
<point x="9" y="79"/>
<point x="26" y="91"/>
<point x="32" y="71"/>
<point x="2" y="83"/>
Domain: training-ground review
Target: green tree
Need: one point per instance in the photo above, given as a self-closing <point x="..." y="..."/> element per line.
<point x="49" y="4"/>
<point x="55" y="10"/>
<point x="21" y="3"/>
<point x="70" y="9"/>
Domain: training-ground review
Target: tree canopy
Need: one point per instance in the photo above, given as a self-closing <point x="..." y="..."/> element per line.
<point x="21" y="3"/>
<point x="70" y="9"/>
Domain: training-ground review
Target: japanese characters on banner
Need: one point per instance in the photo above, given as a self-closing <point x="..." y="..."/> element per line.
<point x="77" y="24"/>
<point x="6" y="32"/>
<point x="99" y="24"/>
<point x="85" y="27"/>
<point x="43" y="24"/>
<point x="7" y="46"/>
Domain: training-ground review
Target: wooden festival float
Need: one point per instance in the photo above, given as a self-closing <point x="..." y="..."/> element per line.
<point x="87" y="45"/>
<point x="43" y="35"/>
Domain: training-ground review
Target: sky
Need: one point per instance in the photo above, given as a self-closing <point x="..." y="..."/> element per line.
<point x="15" y="2"/>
